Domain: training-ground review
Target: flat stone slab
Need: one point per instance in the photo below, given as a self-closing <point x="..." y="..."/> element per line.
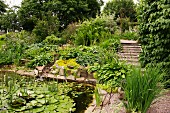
<point x="128" y="41"/>
<point x="52" y="76"/>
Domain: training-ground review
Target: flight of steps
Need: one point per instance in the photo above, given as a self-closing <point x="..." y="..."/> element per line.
<point x="130" y="52"/>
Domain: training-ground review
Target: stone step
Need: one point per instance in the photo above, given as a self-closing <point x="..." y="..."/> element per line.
<point x="122" y="41"/>
<point x="134" y="63"/>
<point x="123" y="48"/>
<point x="129" y="57"/>
<point x="130" y="51"/>
<point x="129" y="60"/>
<point x="129" y="54"/>
<point x="130" y="46"/>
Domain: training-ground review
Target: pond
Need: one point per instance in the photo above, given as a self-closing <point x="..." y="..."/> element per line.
<point x="31" y="95"/>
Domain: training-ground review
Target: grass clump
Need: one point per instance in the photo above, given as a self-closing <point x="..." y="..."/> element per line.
<point x="141" y="89"/>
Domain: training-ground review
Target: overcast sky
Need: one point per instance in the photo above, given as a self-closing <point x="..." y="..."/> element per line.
<point x="18" y="2"/>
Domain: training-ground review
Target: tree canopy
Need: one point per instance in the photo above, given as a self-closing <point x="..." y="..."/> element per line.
<point x="3" y="6"/>
<point x="121" y="8"/>
<point x="67" y="11"/>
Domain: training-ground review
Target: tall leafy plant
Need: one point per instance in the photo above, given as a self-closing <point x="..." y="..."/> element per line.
<point x="94" y="31"/>
<point x="141" y="89"/>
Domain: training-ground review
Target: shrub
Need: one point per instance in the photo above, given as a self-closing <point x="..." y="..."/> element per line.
<point x="154" y="33"/>
<point x="141" y="89"/>
<point x="129" y="35"/>
<point x="15" y="44"/>
<point x="94" y="31"/>
<point x="40" y="60"/>
<point x="110" y="75"/>
<point x="46" y="27"/>
<point x="54" y="40"/>
<point x="71" y="29"/>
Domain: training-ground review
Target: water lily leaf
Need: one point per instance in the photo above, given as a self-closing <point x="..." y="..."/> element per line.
<point x="51" y="107"/>
<point x="123" y="76"/>
<point x="33" y="102"/>
<point x="40" y="96"/>
<point x="37" y="110"/>
<point x="42" y="101"/>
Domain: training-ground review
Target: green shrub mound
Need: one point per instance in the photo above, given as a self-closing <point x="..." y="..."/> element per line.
<point x="94" y="31"/>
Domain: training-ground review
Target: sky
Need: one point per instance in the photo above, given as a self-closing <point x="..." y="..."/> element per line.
<point x="18" y="2"/>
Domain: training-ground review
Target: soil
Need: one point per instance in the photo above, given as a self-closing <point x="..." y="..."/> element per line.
<point x="159" y="105"/>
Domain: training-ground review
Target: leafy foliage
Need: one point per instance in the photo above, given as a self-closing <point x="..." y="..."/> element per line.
<point x="40" y="60"/>
<point x="46" y="27"/>
<point x="95" y="31"/>
<point x="23" y="94"/>
<point x="141" y="88"/>
<point x="110" y="75"/>
<point x="15" y="44"/>
<point x="2" y="6"/>
<point x="154" y="33"/>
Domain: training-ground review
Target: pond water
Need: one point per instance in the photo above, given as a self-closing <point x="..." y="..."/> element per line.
<point x="26" y="94"/>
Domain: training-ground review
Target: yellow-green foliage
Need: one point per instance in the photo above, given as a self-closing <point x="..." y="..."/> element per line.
<point x="67" y="63"/>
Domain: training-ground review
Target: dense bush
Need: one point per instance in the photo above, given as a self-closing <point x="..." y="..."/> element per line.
<point x="71" y="29"/>
<point x="15" y="44"/>
<point x="95" y="31"/>
<point x="46" y="27"/>
<point x="130" y="35"/>
<point x="40" y="60"/>
<point x="154" y="33"/>
<point x="111" y="74"/>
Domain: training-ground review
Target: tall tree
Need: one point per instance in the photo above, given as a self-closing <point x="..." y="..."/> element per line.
<point x="3" y="7"/>
<point x="68" y="11"/>
<point x="9" y="20"/>
<point x="121" y="8"/>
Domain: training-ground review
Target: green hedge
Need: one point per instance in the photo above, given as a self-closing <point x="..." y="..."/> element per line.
<point x="154" y="33"/>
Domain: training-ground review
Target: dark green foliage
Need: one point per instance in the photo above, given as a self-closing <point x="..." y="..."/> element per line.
<point x="9" y="21"/>
<point x="121" y="8"/>
<point x="154" y="33"/>
<point x="95" y="31"/>
<point x="67" y="11"/>
<point x="66" y="33"/>
<point x="2" y="7"/>
<point x="46" y="27"/>
<point x="111" y="44"/>
<point x="141" y="89"/>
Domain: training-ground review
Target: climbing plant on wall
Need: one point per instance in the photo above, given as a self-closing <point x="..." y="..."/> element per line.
<point x="154" y="30"/>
